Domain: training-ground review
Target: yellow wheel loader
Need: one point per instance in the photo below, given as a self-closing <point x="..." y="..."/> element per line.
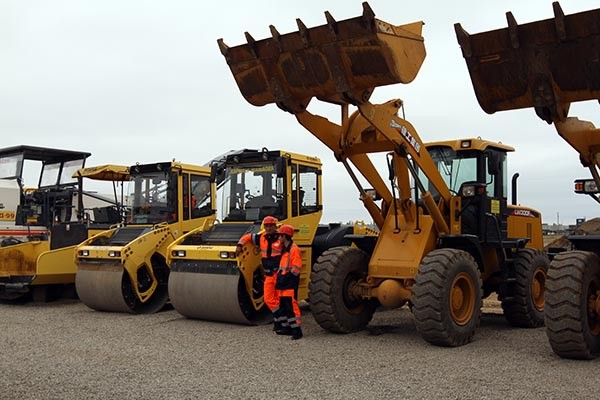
<point x="40" y="227"/>
<point x="208" y="281"/>
<point x="124" y="269"/>
<point x="547" y="65"/>
<point x="447" y="236"/>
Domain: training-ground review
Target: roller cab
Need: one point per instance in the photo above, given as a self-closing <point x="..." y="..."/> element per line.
<point x="123" y="269"/>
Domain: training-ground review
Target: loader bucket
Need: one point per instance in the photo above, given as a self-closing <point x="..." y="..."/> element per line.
<point x="542" y="64"/>
<point x="339" y="62"/>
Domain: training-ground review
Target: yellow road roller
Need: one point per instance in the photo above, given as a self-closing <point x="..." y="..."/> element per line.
<point x="124" y="269"/>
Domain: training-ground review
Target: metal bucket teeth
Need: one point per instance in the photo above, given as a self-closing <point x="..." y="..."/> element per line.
<point x="538" y="64"/>
<point x="340" y="62"/>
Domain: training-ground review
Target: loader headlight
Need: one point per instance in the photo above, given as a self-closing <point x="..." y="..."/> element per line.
<point x="114" y="253"/>
<point x="586" y="186"/>
<point x="178" y="253"/>
<point x="468" y="191"/>
<point x="84" y="253"/>
<point x="372" y="193"/>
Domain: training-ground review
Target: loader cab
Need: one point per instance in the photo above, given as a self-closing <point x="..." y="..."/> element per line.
<point x="476" y="171"/>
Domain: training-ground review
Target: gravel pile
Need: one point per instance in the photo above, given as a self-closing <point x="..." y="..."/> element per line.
<point x="590" y="227"/>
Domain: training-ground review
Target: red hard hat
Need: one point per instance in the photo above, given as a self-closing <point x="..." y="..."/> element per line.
<point x="286" y="230"/>
<point x="269" y="220"/>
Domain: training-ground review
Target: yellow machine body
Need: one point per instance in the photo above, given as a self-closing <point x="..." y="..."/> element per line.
<point x="33" y="265"/>
<point x="547" y="65"/>
<point x="123" y="269"/>
<point x="434" y="247"/>
<point x="208" y="280"/>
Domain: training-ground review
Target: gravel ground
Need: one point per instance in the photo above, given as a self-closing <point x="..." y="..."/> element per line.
<point x="65" y="350"/>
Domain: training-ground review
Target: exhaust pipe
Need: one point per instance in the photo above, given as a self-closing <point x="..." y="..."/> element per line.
<point x="514" y="188"/>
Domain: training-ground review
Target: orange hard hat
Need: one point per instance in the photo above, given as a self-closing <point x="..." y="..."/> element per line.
<point x="269" y="220"/>
<point x="286" y="230"/>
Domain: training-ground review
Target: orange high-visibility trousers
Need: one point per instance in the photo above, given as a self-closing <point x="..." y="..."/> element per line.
<point x="270" y="294"/>
<point x="287" y="296"/>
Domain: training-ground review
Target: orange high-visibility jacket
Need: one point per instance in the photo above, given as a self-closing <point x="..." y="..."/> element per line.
<point x="290" y="267"/>
<point x="270" y="248"/>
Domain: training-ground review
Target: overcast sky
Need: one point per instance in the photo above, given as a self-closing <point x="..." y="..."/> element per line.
<point x="144" y="81"/>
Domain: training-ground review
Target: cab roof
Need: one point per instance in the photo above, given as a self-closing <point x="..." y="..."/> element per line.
<point x="44" y="154"/>
<point x="107" y="172"/>
<point x="470" y="144"/>
<point x="253" y="155"/>
<point x="168" y="166"/>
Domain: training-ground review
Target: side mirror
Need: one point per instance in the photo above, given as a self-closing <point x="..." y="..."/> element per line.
<point x="214" y="171"/>
<point x="494" y="162"/>
<point x="281" y="166"/>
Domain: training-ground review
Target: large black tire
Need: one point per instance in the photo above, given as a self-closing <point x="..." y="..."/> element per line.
<point x="525" y="307"/>
<point x="331" y="303"/>
<point x="572" y="324"/>
<point x="447" y="297"/>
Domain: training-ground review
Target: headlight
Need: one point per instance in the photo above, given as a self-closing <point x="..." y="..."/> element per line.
<point x="178" y="253"/>
<point x="586" y="186"/>
<point x="114" y="253"/>
<point x="468" y="191"/>
<point x="227" y="254"/>
<point x="84" y="253"/>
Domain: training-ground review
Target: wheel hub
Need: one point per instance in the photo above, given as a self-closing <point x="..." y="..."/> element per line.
<point x="594" y="309"/>
<point x="537" y="289"/>
<point x="462" y="298"/>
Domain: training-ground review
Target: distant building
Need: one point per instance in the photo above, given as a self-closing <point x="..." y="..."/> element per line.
<point x="560" y="229"/>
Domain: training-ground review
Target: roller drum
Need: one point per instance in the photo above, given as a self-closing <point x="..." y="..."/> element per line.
<point x="214" y="296"/>
<point x="108" y="288"/>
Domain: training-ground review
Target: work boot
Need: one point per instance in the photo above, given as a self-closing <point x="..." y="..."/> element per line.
<point x="297" y="333"/>
<point x="285" y="330"/>
<point x="277" y="320"/>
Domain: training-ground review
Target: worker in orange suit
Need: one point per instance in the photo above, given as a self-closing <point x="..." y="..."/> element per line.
<point x="288" y="279"/>
<point x="270" y="248"/>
